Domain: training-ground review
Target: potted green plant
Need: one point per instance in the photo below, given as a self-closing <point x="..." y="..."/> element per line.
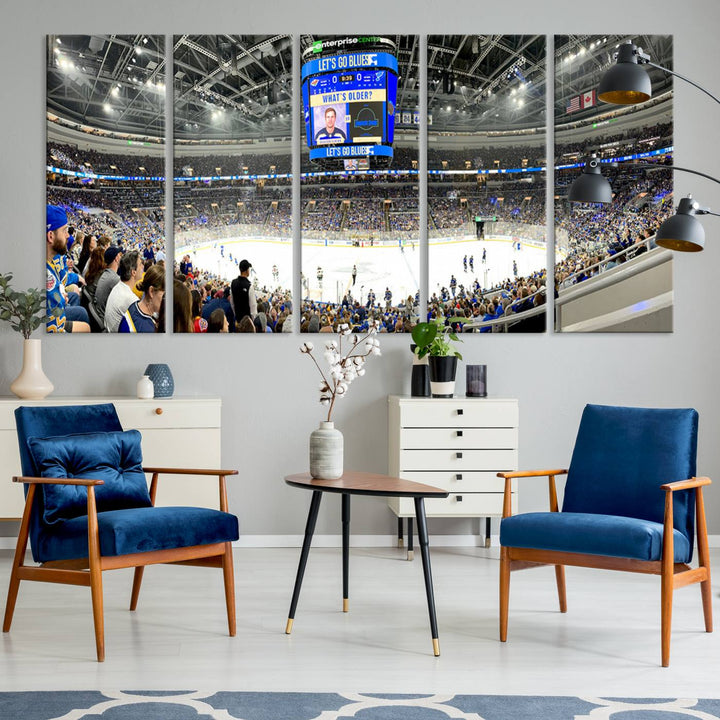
<point x="25" y="311"/>
<point x="435" y="339"/>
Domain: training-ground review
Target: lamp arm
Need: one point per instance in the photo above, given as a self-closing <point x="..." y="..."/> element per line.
<point x="675" y="167"/>
<point x="682" y="77"/>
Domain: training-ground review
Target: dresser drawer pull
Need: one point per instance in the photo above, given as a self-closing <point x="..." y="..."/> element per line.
<point x="458" y="498"/>
<point x="460" y="411"/>
<point x="459" y="433"/>
<point x="458" y="476"/>
<point x="458" y="456"/>
<point x="158" y="411"/>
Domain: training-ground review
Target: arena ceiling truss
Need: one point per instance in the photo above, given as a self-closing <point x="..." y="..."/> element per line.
<point x="230" y="87"/>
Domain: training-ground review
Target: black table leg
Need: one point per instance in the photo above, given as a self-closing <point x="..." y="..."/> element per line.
<point x="487" y="532"/>
<point x="346" y="548"/>
<point x="410" y="551"/>
<point x="309" y="530"/>
<point x="425" y="553"/>
<point x="400" y="532"/>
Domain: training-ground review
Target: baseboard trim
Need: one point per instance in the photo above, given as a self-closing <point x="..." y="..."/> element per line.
<point x="335" y="541"/>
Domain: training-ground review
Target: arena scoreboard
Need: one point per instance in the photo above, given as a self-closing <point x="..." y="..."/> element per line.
<point x="349" y="101"/>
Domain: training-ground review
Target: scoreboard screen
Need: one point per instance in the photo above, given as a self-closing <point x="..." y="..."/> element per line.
<point x="349" y="105"/>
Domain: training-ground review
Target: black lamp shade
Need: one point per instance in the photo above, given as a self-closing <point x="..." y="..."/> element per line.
<point x="591" y="186"/>
<point x="626" y="83"/>
<point x="683" y="233"/>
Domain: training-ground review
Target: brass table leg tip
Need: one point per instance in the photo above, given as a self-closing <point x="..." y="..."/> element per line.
<point x="411" y="554"/>
<point x="346" y="605"/>
<point x="288" y="627"/>
<point x="436" y="647"/>
<point x="401" y="542"/>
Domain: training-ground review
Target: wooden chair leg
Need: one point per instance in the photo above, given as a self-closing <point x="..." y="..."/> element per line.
<point x="18" y="560"/>
<point x="504" y="591"/>
<point x="137" y="581"/>
<point x="704" y="559"/>
<point x="96" y="588"/>
<point x="229" y="578"/>
<point x="560" y="580"/>
<point x="666" y="598"/>
<point x="666" y="581"/>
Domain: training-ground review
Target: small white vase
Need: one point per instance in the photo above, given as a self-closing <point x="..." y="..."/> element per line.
<point x="326" y="452"/>
<point x="32" y="383"/>
<point x="145" y="388"/>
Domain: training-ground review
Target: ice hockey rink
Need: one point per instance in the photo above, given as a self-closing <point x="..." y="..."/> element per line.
<point x="378" y="266"/>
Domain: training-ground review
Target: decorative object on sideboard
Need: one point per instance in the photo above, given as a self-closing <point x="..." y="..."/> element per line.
<point x="145" y="388"/>
<point x="476" y="380"/>
<point x="162" y="379"/>
<point x="25" y="311"/>
<point x="434" y="339"/>
<point x="420" y="378"/>
<point x="326" y="443"/>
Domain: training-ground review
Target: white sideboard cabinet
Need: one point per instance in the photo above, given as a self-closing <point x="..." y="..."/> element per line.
<point x="458" y="444"/>
<point x="176" y="432"/>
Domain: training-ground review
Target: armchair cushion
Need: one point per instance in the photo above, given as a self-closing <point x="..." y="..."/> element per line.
<point x="137" y="530"/>
<point x="591" y="534"/>
<point x="114" y="457"/>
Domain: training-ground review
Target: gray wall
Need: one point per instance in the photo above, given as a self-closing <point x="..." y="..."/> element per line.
<point x="268" y="388"/>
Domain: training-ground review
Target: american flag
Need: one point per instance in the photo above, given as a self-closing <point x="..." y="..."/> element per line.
<point x="573" y="104"/>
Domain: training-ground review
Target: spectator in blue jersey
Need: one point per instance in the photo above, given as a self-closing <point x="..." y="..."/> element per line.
<point x="330" y="133"/>
<point x="221" y="301"/>
<point x="149" y="253"/>
<point x="140" y="317"/>
<point x="61" y="318"/>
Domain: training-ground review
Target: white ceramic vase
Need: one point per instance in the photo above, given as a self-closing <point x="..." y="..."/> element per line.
<point x="145" y="388"/>
<point x="32" y="383"/>
<point x="326" y="452"/>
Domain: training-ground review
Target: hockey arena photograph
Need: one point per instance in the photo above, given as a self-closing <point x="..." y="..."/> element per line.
<point x="469" y="470"/>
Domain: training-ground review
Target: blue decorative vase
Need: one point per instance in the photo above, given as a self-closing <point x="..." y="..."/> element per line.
<point x="162" y="379"/>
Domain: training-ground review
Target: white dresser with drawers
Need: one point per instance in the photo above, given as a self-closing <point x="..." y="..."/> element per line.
<point x="176" y="432"/>
<point x="458" y="444"/>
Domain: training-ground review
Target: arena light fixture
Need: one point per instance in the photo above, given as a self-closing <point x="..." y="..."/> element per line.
<point x="681" y="232"/>
<point x="626" y="83"/>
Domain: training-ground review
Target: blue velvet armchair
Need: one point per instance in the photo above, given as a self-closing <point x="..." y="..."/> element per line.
<point x="88" y="509"/>
<point x="631" y="503"/>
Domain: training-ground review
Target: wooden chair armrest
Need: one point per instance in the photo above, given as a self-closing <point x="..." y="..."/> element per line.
<point x="57" y="481"/>
<point x="531" y="473"/>
<point x="188" y="471"/>
<point x="220" y="474"/>
<point x="507" y="496"/>
<point x="695" y="482"/>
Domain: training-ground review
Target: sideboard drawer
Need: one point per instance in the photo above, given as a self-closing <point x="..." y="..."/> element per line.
<point x="459" y="412"/>
<point x="459" y="437"/>
<point x="459" y="482"/>
<point x="454" y="505"/>
<point x="168" y="413"/>
<point x="458" y="460"/>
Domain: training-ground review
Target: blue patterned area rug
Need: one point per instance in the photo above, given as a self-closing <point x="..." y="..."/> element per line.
<point x="189" y="705"/>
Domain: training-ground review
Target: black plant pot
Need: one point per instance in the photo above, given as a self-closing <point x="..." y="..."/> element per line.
<point x="442" y="375"/>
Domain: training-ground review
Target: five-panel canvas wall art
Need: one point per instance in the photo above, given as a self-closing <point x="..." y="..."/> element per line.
<point x="390" y="172"/>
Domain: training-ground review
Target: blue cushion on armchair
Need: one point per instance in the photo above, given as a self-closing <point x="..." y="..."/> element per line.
<point x="591" y="534"/>
<point x="115" y="457"/>
<point x="137" y="530"/>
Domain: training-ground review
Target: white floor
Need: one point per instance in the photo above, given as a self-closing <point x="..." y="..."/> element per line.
<point x="608" y="644"/>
